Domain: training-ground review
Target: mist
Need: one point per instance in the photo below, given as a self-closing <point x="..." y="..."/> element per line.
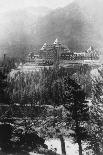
<point x="78" y="24"/>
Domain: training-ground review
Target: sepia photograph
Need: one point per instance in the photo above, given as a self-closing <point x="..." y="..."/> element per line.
<point x="51" y="77"/>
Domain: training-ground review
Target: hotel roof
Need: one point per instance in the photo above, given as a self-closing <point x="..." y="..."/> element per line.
<point x="44" y="46"/>
<point x="56" y="43"/>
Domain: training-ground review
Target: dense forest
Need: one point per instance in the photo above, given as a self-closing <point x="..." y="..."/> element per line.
<point x="51" y="103"/>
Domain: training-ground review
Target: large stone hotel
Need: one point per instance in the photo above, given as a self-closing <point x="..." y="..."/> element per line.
<point x="49" y="54"/>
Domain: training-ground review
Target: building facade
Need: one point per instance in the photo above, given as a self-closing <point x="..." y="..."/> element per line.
<point x="57" y="52"/>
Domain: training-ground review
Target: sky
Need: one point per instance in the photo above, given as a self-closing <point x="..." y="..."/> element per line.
<point x="9" y="5"/>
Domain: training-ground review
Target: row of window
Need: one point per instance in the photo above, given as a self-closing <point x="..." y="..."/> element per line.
<point x="51" y="55"/>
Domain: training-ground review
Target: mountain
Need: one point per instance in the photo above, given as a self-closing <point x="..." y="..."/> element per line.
<point x="17" y="29"/>
<point x="78" y="25"/>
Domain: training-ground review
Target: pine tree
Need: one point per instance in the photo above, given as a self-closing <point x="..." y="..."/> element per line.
<point x="67" y="93"/>
<point x="78" y="113"/>
<point x="96" y="117"/>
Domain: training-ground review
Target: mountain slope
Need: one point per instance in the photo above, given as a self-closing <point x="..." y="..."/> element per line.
<point x="17" y="29"/>
<point x="78" y="25"/>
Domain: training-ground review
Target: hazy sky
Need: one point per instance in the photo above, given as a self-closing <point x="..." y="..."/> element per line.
<point x="6" y="5"/>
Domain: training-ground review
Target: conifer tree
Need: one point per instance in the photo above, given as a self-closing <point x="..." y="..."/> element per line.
<point x="96" y="117"/>
<point x="64" y="91"/>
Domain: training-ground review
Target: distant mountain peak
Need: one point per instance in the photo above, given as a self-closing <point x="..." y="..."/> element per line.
<point x="78" y="25"/>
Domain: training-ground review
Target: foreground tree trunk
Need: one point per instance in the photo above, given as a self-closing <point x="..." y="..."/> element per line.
<point x="78" y="134"/>
<point x="62" y="145"/>
<point x="80" y="147"/>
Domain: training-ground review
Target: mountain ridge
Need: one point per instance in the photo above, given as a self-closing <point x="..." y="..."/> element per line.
<point x="77" y="25"/>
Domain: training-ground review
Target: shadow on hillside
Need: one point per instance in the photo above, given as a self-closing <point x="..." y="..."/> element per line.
<point x="14" y="153"/>
<point x="47" y="152"/>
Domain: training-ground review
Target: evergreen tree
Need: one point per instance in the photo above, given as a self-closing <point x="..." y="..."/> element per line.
<point x="96" y="118"/>
<point x="56" y="90"/>
<point x="3" y="86"/>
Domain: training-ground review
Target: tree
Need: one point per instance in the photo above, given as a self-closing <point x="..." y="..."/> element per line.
<point x="22" y="88"/>
<point x="78" y="113"/>
<point x="96" y="117"/>
<point x="3" y="86"/>
<point x="61" y="90"/>
<point x="51" y="124"/>
<point x="56" y="88"/>
<point x="10" y="88"/>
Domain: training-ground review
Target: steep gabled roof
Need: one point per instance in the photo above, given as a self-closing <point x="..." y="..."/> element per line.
<point x="90" y="49"/>
<point x="56" y="42"/>
<point x="43" y="47"/>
